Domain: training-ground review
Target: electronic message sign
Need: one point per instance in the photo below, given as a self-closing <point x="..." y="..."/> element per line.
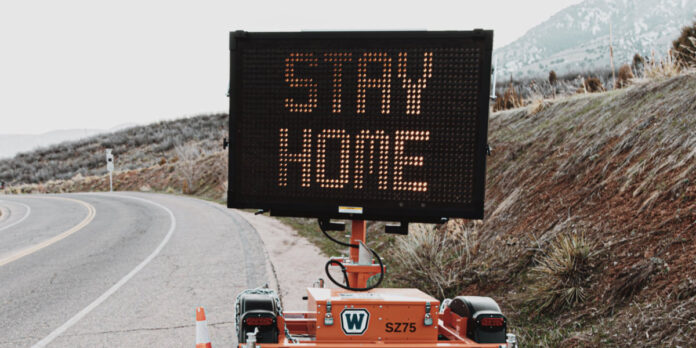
<point x="360" y="125"/>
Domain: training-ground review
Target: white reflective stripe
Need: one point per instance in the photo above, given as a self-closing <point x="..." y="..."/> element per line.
<point x="72" y="321"/>
<point x="202" y="332"/>
<point x="26" y="215"/>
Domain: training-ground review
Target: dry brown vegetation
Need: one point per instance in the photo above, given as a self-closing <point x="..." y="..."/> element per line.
<point x="662" y="67"/>
<point x="509" y="100"/>
<point x="625" y="76"/>
<point x="210" y="180"/>
<point x="563" y="273"/>
<point x="593" y="85"/>
<point x="434" y="262"/>
<point x="618" y="167"/>
<point x="133" y="148"/>
<point x="684" y="47"/>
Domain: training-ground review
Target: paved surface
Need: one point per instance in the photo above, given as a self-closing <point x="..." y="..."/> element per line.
<point x="131" y="276"/>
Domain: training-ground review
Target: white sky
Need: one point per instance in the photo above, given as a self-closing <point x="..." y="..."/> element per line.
<point x="97" y="64"/>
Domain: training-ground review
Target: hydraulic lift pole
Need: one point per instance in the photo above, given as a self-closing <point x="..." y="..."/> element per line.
<point x="358" y="234"/>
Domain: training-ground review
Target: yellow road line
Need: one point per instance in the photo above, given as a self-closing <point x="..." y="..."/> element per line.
<point x="91" y="212"/>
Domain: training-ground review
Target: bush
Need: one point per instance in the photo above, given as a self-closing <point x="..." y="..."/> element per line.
<point x="187" y="168"/>
<point x="563" y="273"/>
<point x="510" y="100"/>
<point x="638" y="64"/>
<point x="625" y="76"/>
<point x="659" y="68"/>
<point x="553" y="78"/>
<point x="684" y="47"/>
<point x="437" y="262"/>
<point x="593" y="85"/>
<point x="136" y="147"/>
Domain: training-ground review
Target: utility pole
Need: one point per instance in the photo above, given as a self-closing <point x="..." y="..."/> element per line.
<point x="110" y="168"/>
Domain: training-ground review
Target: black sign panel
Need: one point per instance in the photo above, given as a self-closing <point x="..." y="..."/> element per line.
<point x="360" y="125"/>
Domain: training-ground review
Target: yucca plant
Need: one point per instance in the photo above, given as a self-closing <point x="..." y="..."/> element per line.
<point x="563" y="273"/>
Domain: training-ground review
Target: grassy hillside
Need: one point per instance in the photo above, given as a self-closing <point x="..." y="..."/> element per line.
<point x="590" y="221"/>
<point x="133" y="148"/>
<point x="590" y="224"/>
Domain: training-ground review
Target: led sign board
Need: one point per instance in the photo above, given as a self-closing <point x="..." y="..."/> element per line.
<point x="360" y="125"/>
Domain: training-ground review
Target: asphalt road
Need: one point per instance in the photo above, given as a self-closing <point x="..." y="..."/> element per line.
<point x="121" y="269"/>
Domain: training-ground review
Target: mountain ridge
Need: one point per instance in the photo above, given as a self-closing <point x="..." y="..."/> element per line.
<point x="12" y="144"/>
<point x="576" y="39"/>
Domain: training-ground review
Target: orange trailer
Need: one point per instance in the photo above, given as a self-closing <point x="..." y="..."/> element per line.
<point x="384" y="318"/>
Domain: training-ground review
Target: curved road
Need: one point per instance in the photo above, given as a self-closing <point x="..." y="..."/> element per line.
<point x="121" y="269"/>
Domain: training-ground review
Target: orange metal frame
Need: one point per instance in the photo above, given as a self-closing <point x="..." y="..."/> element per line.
<point x="305" y="324"/>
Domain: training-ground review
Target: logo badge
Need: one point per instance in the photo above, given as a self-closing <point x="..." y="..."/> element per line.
<point x="355" y="321"/>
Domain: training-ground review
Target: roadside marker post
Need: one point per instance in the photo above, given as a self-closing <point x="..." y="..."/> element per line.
<point x="110" y="168"/>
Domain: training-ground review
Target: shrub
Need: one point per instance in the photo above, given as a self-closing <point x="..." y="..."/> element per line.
<point x="510" y="100"/>
<point x="563" y="273"/>
<point x="553" y="78"/>
<point x="666" y="67"/>
<point x="625" y="76"/>
<point x="638" y="64"/>
<point x="437" y="262"/>
<point x="593" y="85"/>
<point x="684" y="47"/>
<point x="187" y="167"/>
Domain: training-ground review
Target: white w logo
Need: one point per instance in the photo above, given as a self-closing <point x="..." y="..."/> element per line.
<point x="354" y="321"/>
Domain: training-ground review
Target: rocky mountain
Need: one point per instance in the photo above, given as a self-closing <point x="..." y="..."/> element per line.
<point x="576" y="39"/>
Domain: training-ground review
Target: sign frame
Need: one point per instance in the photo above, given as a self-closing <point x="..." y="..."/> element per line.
<point x="238" y="41"/>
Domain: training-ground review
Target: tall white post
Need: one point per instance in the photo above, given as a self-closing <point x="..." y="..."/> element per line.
<point x="110" y="168"/>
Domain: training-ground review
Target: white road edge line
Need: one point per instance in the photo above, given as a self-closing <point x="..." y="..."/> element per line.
<point x="26" y="215"/>
<point x="57" y="332"/>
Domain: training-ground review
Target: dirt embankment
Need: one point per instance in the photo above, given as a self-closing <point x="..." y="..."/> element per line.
<point x="618" y="168"/>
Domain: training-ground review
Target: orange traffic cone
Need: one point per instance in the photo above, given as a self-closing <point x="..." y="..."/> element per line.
<point x="202" y="336"/>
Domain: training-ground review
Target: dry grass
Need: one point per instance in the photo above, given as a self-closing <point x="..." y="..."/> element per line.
<point x="187" y="168"/>
<point x="509" y="100"/>
<point x="537" y="104"/>
<point x="563" y="273"/>
<point x="133" y="148"/>
<point x="662" y="67"/>
<point x="661" y="322"/>
<point x="437" y="262"/>
<point x="633" y="280"/>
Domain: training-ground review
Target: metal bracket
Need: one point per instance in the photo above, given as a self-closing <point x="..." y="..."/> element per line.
<point x="225" y="143"/>
<point x="327" y="225"/>
<point x="364" y="255"/>
<point x="428" y="320"/>
<point x="401" y="228"/>
<point x="493" y="77"/>
<point x="328" y="318"/>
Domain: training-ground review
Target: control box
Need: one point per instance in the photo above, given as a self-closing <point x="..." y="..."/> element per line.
<point x="378" y="315"/>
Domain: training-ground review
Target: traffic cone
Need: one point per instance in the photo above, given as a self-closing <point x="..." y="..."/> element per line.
<point x="202" y="336"/>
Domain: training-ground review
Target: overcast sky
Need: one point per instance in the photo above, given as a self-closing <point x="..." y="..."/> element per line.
<point x="97" y="64"/>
